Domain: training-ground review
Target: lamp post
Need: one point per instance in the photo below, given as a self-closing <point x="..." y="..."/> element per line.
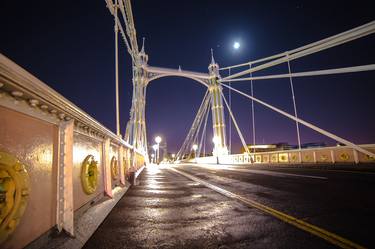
<point x="173" y="156"/>
<point x="155" y="147"/>
<point x="216" y="141"/>
<point x="153" y="158"/>
<point x="195" y="147"/>
<point x="158" y="140"/>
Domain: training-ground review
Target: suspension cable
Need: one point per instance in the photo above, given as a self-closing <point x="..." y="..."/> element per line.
<point x="204" y="129"/>
<point x="195" y="139"/>
<point x="349" y="36"/>
<point x="294" y="104"/>
<point x="229" y="119"/>
<point x="193" y="128"/>
<point x="307" y="124"/>
<point x="355" y="69"/>
<point x="314" y="44"/>
<point x="236" y="125"/>
<point x="252" y="110"/>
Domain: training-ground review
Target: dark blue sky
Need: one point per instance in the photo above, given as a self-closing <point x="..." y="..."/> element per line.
<point x="69" y="45"/>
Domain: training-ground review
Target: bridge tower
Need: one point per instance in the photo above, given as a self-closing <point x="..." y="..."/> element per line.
<point x="136" y="127"/>
<point x="218" y="119"/>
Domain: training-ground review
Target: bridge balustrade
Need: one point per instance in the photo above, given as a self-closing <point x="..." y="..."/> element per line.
<point x="322" y="155"/>
<point x="55" y="160"/>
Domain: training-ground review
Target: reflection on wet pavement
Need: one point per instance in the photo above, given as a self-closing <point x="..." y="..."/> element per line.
<point x="167" y="210"/>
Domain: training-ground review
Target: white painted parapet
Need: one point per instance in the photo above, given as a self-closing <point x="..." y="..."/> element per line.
<point x="70" y="159"/>
<point x="322" y="155"/>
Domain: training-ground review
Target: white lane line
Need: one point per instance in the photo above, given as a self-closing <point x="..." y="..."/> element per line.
<point x="300" y="224"/>
<point x="256" y="171"/>
<point x="273" y="173"/>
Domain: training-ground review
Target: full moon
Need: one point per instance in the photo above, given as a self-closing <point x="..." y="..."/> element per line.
<point x="236" y="45"/>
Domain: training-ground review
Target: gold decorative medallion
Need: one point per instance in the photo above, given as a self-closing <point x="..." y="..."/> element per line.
<point x="89" y="175"/>
<point x="114" y="168"/>
<point x="14" y="192"/>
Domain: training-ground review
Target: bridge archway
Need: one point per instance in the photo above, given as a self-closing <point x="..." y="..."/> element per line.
<point x="143" y="74"/>
<point x="171" y="106"/>
<point x="206" y="84"/>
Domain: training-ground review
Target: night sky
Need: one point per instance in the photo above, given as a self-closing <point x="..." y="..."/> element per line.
<point x="69" y="45"/>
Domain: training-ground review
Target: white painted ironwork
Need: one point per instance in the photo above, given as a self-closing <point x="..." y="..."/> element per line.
<point x="344" y="37"/>
<point x="307" y="124"/>
<point x="355" y="69"/>
<point x="252" y="110"/>
<point x="65" y="212"/>
<point x="236" y="125"/>
<point x="294" y="105"/>
<point x="143" y="74"/>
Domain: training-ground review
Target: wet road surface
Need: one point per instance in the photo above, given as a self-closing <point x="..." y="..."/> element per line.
<point x="340" y="201"/>
<point x="167" y="210"/>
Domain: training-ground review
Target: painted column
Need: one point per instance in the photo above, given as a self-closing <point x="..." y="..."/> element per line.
<point x="107" y="168"/>
<point x="136" y="128"/>
<point x="218" y="119"/>
<point x="65" y="213"/>
<point x="121" y="155"/>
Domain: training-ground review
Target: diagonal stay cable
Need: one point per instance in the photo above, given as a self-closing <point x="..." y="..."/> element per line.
<point x="236" y="125"/>
<point x="354" y="69"/>
<point x="307" y="124"/>
<point x="314" y="44"/>
<point x="204" y="129"/>
<point x="350" y="36"/>
<point x="192" y="128"/>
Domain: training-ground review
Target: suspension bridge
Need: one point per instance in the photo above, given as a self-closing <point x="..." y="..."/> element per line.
<point x="62" y="172"/>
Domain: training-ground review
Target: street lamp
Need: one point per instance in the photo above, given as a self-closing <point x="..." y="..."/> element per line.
<point x="153" y="157"/>
<point x="216" y="141"/>
<point x="173" y="156"/>
<point x="157" y="141"/>
<point x="155" y="147"/>
<point x="195" y="147"/>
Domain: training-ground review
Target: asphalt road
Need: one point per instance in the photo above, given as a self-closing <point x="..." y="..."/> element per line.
<point x="338" y="200"/>
<point x="168" y="210"/>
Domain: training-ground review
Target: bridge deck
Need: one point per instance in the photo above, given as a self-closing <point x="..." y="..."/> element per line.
<point x="168" y="210"/>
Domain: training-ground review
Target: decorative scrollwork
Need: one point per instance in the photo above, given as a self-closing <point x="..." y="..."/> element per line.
<point x="324" y="158"/>
<point x="114" y="168"/>
<point x="89" y="175"/>
<point x="370" y="158"/>
<point x="14" y="192"/>
<point x="294" y="158"/>
<point x="344" y="156"/>
<point x="307" y="158"/>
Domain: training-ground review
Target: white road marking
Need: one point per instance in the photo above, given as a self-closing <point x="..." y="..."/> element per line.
<point x="256" y="171"/>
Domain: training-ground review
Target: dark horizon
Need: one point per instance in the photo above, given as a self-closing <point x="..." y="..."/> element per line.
<point x="71" y="48"/>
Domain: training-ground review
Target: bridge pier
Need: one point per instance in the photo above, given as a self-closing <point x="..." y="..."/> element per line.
<point x="217" y="109"/>
<point x="136" y="127"/>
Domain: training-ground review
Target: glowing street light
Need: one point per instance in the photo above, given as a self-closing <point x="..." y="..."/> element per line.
<point x="157" y="141"/>
<point x="155" y="147"/>
<point x="195" y="147"/>
<point x="216" y="140"/>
